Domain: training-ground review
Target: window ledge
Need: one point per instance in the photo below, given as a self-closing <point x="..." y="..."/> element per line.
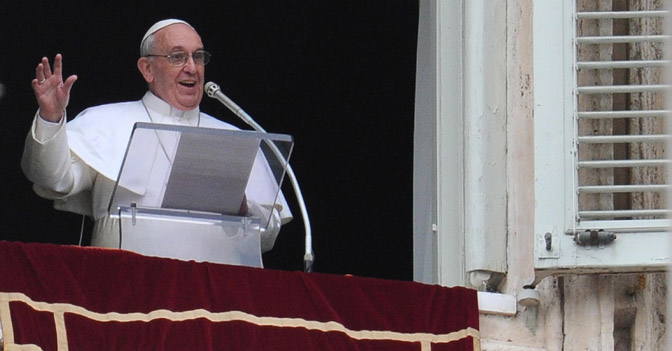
<point x="495" y="303"/>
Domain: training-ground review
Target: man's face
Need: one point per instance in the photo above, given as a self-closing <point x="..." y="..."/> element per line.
<point x="181" y="87"/>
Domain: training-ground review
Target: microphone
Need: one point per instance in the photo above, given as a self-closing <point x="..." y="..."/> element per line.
<point x="213" y="91"/>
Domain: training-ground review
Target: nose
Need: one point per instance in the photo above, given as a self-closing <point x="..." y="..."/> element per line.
<point x="190" y="66"/>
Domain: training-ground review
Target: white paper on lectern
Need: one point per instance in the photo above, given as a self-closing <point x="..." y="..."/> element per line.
<point x="213" y="180"/>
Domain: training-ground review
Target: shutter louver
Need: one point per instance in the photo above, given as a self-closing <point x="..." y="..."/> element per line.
<point x="620" y="159"/>
<point x="600" y="136"/>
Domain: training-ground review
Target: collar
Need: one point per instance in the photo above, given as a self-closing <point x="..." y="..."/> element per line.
<point x="155" y="104"/>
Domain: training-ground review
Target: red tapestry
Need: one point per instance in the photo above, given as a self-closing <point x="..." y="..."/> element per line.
<point x="71" y="298"/>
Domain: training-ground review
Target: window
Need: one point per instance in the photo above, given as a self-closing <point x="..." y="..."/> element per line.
<point x="600" y="137"/>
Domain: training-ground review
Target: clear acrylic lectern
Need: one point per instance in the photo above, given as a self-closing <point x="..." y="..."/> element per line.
<point x="186" y="192"/>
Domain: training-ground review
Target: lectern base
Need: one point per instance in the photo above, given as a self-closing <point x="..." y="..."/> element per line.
<point x="198" y="237"/>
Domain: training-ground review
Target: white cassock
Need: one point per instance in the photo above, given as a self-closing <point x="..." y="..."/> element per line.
<point x="76" y="164"/>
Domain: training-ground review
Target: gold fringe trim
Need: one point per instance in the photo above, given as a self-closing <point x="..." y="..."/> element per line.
<point x="59" y="309"/>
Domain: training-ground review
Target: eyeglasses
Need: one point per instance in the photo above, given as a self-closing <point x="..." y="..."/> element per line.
<point x="180" y="58"/>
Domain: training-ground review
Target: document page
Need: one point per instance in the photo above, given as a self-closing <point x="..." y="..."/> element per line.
<point x="210" y="173"/>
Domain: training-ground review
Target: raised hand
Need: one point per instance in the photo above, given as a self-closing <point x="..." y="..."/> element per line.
<point x="51" y="91"/>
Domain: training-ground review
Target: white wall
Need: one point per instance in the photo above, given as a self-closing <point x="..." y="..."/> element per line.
<point x="579" y="312"/>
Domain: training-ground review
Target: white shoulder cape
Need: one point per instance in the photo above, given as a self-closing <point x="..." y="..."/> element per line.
<point x="99" y="137"/>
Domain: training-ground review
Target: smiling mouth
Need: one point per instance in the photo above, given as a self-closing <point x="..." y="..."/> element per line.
<point x="188" y="83"/>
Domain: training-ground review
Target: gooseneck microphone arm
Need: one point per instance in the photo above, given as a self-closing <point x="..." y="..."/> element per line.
<point x="213" y="91"/>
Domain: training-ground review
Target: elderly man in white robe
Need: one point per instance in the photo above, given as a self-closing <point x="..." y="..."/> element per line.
<point x="76" y="163"/>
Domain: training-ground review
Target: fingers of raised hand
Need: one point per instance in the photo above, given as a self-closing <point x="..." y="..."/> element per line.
<point x="43" y="71"/>
<point x="40" y="75"/>
<point x="58" y="65"/>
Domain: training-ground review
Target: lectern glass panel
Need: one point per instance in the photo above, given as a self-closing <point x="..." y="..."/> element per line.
<point x="182" y="173"/>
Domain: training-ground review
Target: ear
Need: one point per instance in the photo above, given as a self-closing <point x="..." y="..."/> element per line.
<point x="145" y="68"/>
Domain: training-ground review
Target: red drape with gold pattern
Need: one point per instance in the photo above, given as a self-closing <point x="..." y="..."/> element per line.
<point x="71" y="298"/>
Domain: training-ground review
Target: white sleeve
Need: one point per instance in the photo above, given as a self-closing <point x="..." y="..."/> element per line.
<point x="270" y="223"/>
<point x="48" y="163"/>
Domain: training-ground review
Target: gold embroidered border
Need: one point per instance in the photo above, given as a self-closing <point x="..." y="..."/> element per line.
<point x="59" y="309"/>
